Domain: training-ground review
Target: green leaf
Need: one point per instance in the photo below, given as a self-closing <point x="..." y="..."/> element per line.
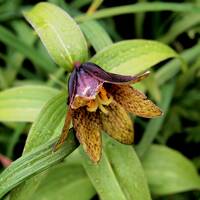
<point x="132" y="56"/>
<point x="33" y="163"/>
<point x="68" y="178"/>
<point x="96" y="35"/>
<point x="59" y="33"/>
<point x="48" y="125"/>
<point x="128" y="170"/>
<point x="119" y="174"/>
<point x="169" y="172"/>
<point x="24" y="103"/>
<point x="103" y="178"/>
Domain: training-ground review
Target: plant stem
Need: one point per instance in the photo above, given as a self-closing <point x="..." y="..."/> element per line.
<point x="139" y="8"/>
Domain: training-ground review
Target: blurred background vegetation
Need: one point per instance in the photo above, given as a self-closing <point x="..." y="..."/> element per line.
<point x="24" y="61"/>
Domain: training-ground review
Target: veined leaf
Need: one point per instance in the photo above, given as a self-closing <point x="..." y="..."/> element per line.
<point x="24" y="103"/>
<point x="128" y="170"/>
<point x="169" y="172"/>
<point x="33" y="163"/>
<point x="119" y="174"/>
<point x="68" y="178"/>
<point x="48" y="125"/>
<point x="103" y="178"/>
<point x="59" y="33"/>
<point x="132" y="56"/>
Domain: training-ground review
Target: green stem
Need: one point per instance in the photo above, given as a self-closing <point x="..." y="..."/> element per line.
<point x="139" y="8"/>
<point x="94" y="6"/>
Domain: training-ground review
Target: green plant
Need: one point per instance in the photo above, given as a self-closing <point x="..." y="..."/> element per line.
<point x="123" y="171"/>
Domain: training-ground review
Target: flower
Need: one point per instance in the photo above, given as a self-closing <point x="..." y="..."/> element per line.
<point x="100" y="101"/>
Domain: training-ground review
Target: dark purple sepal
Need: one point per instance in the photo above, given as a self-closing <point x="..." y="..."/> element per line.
<point x="100" y="74"/>
<point x="72" y="86"/>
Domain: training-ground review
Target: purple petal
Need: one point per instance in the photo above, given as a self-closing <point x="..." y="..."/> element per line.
<point x="82" y="84"/>
<point x="87" y="85"/>
<point x="100" y="74"/>
<point x="72" y="86"/>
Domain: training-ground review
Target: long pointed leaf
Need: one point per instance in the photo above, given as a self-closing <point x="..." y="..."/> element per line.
<point x="119" y="174"/>
<point x="33" y="163"/>
<point x="132" y="56"/>
<point x="59" y="34"/>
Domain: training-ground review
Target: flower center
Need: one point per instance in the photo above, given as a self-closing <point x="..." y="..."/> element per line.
<point x="100" y="101"/>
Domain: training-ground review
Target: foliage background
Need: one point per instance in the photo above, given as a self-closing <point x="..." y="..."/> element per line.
<point x="175" y="86"/>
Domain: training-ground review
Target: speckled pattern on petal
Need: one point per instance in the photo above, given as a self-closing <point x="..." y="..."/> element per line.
<point x="117" y="123"/>
<point x="134" y="101"/>
<point x="87" y="126"/>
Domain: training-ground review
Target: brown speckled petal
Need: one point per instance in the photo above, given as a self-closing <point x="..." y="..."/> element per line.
<point x="134" y="101"/>
<point x="87" y="126"/>
<point x="117" y="123"/>
<point x="65" y="130"/>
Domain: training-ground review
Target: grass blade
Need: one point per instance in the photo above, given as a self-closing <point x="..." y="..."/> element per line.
<point x="141" y="7"/>
<point x="154" y="125"/>
<point x="169" y="70"/>
<point x="13" y="41"/>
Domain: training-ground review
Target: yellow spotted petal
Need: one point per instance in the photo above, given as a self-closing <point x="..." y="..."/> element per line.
<point x="117" y="123"/>
<point x="134" y="101"/>
<point x="87" y="126"/>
